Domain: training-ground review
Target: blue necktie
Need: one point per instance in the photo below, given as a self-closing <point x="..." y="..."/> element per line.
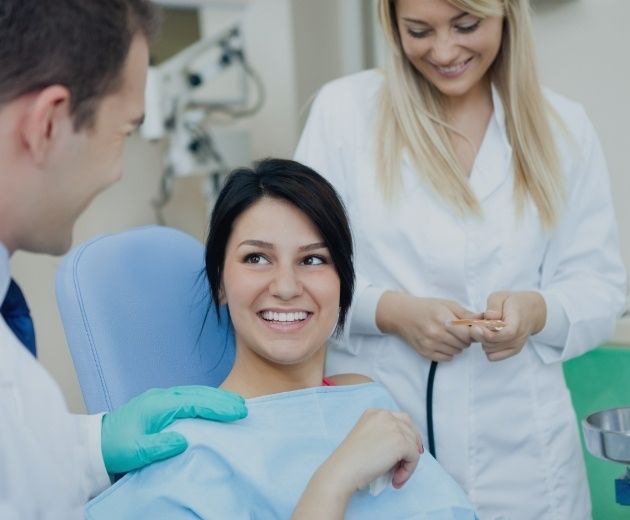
<point x="15" y="312"/>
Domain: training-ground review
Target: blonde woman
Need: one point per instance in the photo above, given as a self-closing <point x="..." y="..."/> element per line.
<point x="473" y="193"/>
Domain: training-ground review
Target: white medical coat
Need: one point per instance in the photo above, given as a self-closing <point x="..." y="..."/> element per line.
<point x="50" y="459"/>
<point x="506" y="430"/>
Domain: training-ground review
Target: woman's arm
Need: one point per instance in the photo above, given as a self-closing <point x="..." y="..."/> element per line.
<point x="322" y="498"/>
<point x="583" y="276"/>
<point x="380" y="441"/>
<point x="582" y="287"/>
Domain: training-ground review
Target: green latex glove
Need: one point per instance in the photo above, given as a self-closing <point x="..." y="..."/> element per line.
<point x="132" y="437"/>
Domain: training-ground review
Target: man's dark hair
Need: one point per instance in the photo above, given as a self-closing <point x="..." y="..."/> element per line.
<point x="80" y="44"/>
<point x="301" y="187"/>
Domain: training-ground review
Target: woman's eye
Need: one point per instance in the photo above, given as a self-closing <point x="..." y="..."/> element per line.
<point x="468" y="28"/>
<point x="256" y="259"/>
<point x="417" y="33"/>
<point x="314" y="260"/>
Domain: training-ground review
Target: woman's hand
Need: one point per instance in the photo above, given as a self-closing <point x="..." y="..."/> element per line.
<point x="424" y="324"/>
<point x="524" y="314"/>
<point x="380" y="441"/>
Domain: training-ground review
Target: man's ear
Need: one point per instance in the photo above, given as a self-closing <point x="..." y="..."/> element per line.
<point x="49" y="113"/>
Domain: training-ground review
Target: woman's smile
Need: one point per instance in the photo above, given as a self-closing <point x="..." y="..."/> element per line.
<point x="285" y="321"/>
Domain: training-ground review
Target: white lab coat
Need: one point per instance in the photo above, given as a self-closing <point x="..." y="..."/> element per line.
<point x="50" y="459"/>
<point x="506" y="431"/>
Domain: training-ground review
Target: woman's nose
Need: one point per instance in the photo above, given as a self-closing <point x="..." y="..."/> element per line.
<point x="444" y="50"/>
<point x="285" y="284"/>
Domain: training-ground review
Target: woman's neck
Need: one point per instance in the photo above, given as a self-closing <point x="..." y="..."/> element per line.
<point x="469" y="116"/>
<point x="254" y="376"/>
<point x="477" y="99"/>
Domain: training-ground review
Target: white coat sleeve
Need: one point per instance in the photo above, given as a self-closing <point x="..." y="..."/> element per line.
<point x="583" y="276"/>
<point x="326" y="145"/>
<point x="50" y="460"/>
<point x="96" y="478"/>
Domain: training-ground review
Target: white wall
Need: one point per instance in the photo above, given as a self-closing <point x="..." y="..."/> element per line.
<point x="296" y="46"/>
<point x="328" y="39"/>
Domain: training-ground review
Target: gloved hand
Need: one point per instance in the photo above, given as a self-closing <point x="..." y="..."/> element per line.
<point x="130" y="435"/>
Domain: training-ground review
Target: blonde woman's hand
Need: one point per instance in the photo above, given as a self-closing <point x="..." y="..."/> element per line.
<point x="424" y="323"/>
<point x="524" y="314"/>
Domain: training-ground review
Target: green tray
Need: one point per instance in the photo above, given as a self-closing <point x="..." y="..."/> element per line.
<point x="599" y="380"/>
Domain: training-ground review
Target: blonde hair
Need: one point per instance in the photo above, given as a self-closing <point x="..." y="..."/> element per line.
<point x="411" y="116"/>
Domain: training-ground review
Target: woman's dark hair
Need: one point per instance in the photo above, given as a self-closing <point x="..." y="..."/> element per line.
<point x="303" y="188"/>
<point x="81" y="44"/>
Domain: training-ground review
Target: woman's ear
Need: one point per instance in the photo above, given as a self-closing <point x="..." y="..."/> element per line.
<point x="222" y="298"/>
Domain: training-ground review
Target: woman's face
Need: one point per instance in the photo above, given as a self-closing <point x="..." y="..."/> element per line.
<point x="452" y="49"/>
<point x="280" y="284"/>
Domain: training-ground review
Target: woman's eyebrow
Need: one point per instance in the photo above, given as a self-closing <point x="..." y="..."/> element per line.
<point x="454" y="19"/>
<point x="314" y="245"/>
<point x="257" y="243"/>
<point x="268" y="245"/>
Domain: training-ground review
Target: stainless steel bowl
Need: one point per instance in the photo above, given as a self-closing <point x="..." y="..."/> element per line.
<point x="607" y="434"/>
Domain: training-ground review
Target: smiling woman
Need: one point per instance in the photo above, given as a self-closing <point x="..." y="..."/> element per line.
<point x="451" y="48"/>
<point x="279" y="254"/>
<point x="280" y="285"/>
<point x="286" y="273"/>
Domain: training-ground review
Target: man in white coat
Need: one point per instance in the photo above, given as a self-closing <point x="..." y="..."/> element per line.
<point x="72" y="80"/>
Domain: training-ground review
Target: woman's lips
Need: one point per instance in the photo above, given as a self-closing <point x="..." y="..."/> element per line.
<point x="284" y="321"/>
<point x="452" y="71"/>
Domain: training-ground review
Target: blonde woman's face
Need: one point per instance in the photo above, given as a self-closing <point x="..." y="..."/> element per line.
<point x="451" y="48"/>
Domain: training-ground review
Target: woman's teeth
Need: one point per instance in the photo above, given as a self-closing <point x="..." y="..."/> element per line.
<point x="453" y="69"/>
<point x="283" y="316"/>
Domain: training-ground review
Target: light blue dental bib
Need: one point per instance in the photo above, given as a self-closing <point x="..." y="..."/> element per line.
<point x="258" y="468"/>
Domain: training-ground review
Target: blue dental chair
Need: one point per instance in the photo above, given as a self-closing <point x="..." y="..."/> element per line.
<point x="136" y="311"/>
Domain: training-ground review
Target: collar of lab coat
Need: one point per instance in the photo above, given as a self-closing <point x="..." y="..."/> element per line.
<point x="491" y="168"/>
<point x="492" y="163"/>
